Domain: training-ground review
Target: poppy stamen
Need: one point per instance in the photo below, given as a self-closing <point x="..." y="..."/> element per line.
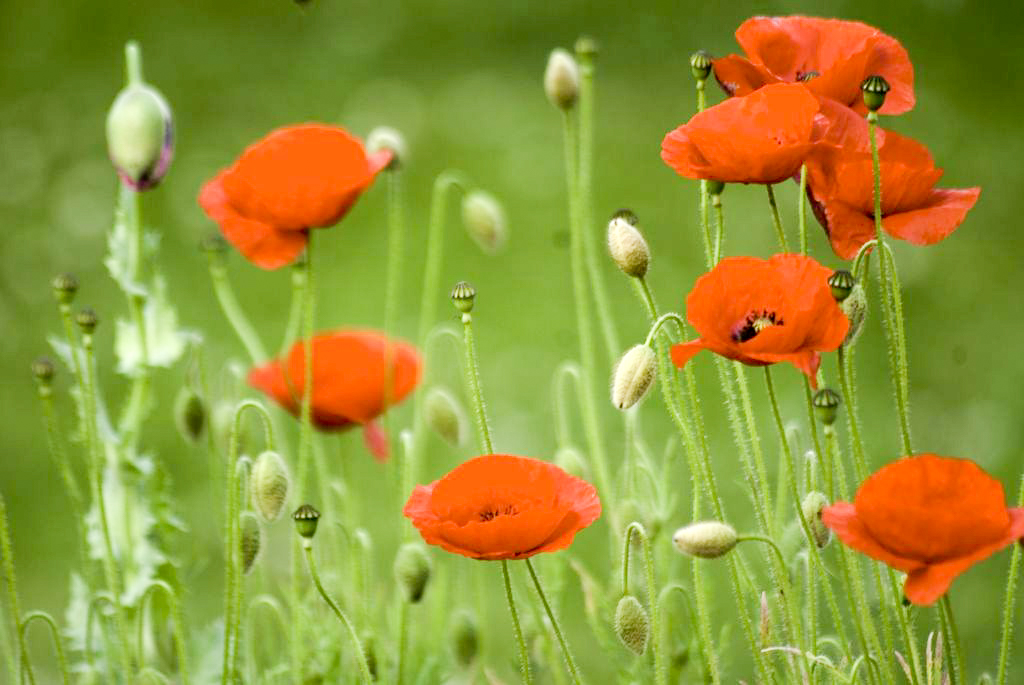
<point x="493" y="512"/>
<point x="754" y="323"/>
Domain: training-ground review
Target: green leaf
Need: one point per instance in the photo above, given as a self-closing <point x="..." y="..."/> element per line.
<point x="165" y="341"/>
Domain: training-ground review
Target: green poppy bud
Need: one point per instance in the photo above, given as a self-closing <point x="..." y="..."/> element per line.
<point x="465" y="638"/>
<point x="485" y="222"/>
<point x="632" y="624"/>
<point x="249" y="541"/>
<point x="140" y="136"/>
<point x="627" y="246"/>
<point x="190" y="415"/>
<point x="445" y="415"/>
<point x="412" y="571"/>
<point x="562" y="79"/>
<point x="705" y="539"/>
<point x="462" y="296"/>
<point x="856" y="309"/>
<point x="269" y="484"/>
<point x="634" y="375"/>
<point x="812" y="506"/>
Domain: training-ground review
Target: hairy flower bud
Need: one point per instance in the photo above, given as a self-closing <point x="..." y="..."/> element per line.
<point x="634" y="375"/>
<point x="465" y="638"/>
<point x="484" y="219"/>
<point x="463" y="295"/>
<point x="812" y="506"/>
<point x="700" y="65"/>
<point x="190" y="415"/>
<point x="249" y="542"/>
<point x="269" y="484"/>
<point x="412" y="571"/>
<point x="705" y="539"/>
<point x="562" y="79"/>
<point x="140" y="136"/>
<point x="855" y="306"/>
<point x="875" y="88"/>
<point x="387" y="138"/>
<point x="306" y="518"/>
<point x="64" y="288"/>
<point x="632" y="624"/>
<point x="826" y="404"/>
<point x="445" y="415"/>
<point x="87" y="320"/>
<point x="627" y="246"/>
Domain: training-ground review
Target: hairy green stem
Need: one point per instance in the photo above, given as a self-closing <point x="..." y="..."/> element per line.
<point x="660" y="667"/>
<point x="776" y="220"/>
<point x="802" y="209"/>
<point x="296" y="308"/>
<point x="177" y="621"/>
<point x="473" y="380"/>
<point x="232" y="310"/>
<point x="62" y="660"/>
<point x="956" y="648"/>
<point x="1009" y="601"/>
<point x="566" y="652"/>
<point x="524" y="654"/>
<point x="13" y="607"/>
<point x="716" y="202"/>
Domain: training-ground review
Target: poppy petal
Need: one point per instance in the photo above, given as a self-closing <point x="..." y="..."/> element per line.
<point x="739" y="76"/>
<point x="945" y="210"/>
<point x="842" y="518"/>
<point x="376" y="440"/>
<point x="684" y="352"/>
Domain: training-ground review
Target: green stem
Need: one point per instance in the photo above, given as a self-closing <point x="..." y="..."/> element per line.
<point x="524" y="654"/>
<point x="232" y="310"/>
<point x="716" y="202"/>
<point x="176" y="619"/>
<point x="297" y="307"/>
<point x="133" y="64"/>
<point x="7" y="557"/>
<point x="569" y="661"/>
<point x="955" y="647"/>
<point x="1009" y="601"/>
<point x="62" y="660"/>
<point x="660" y="668"/>
<point x="802" y="209"/>
<point x="135" y="410"/>
<point x="306" y="409"/>
<point x="565" y="371"/>
<point x="396" y="237"/>
<point x="277" y="612"/>
<point x="364" y="670"/>
<point x="403" y="630"/>
<point x="434" y="256"/>
<point x="473" y="380"/>
<point x="776" y="221"/>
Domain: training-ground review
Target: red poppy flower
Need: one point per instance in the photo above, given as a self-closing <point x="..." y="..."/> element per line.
<point x="932" y="517"/>
<point x="499" y="506"/>
<point x="832" y="57"/>
<point x="295" y="179"/>
<point x="761" y="312"/>
<point x="761" y="138"/>
<point x="840" y="185"/>
<point x="350" y="381"/>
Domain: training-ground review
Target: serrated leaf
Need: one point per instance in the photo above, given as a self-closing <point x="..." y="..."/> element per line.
<point x="165" y="341"/>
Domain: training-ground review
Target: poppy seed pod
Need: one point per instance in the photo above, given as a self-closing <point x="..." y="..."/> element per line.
<point x="268" y="485"/>
<point x="445" y="415"/>
<point x="412" y="571"/>
<point x="484" y="219"/>
<point x="705" y="539"/>
<point x="43" y="369"/>
<point x="841" y="282"/>
<point x="855" y="306"/>
<point x="140" y="136"/>
<point x="249" y="541"/>
<point x="87" y="320"/>
<point x="390" y="139"/>
<point x="562" y="79"/>
<point x="634" y="375"/>
<point x="627" y="246"/>
<point x="306" y="518"/>
<point x="190" y="415"/>
<point x="826" y="403"/>
<point x="64" y="288"/>
<point x="812" y="507"/>
<point x="700" y="65"/>
<point x="632" y="624"/>
<point x="465" y="637"/>
<point x="463" y="295"/>
<point x="875" y="88"/>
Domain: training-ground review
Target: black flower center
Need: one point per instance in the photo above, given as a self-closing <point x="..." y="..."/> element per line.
<point x="494" y="511"/>
<point x="754" y="323"/>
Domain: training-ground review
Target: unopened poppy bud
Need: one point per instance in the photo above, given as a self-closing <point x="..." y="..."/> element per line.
<point x="190" y="414"/>
<point x="634" y="375"/>
<point x="826" y="403"/>
<point x="700" y="65"/>
<point x="43" y="369"/>
<point x="812" y="506"/>
<point x="465" y="638"/>
<point x="64" y="288"/>
<point x="841" y="282"/>
<point x="716" y="188"/>
<point x="306" y="518"/>
<point x="268" y="486"/>
<point x="856" y="309"/>
<point x="562" y="79"/>
<point x="572" y="461"/>
<point x="140" y="136"/>
<point x="627" y="246"/>
<point x="705" y="539"/>
<point x="484" y="219"/>
<point x="249" y="542"/>
<point x="87" y="320"/>
<point x="875" y="88"/>
<point x="412" y="571"/>
<point x="444" y="414"/>
<point x="463" y="295"/>
<point x="632" y="624"/>
<point x="387" y="138"/>
<point x="369" y="643"/>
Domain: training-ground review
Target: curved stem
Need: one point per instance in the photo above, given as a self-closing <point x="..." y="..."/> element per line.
<point x="364" y="670"/>
<point x="661" y="320"/>
<point x="62" y="661"/>
<point x="569" y="661"/>
<point x="1009" y="601"/>
<point x="565" y="371"/>
<point x="660" y="668"/>
<point x="776" y="221"/>
<point x="233" y="311"/>
<point x="434" y="256"/>
<point x="524" y="654"/>
<point x="176" y="619"/>
<point x="277" y="611"/>
<point x="771" y="543"/>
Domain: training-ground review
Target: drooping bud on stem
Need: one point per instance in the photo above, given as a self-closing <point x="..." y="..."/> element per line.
<point x="634" y="375"/>
<point x="65" y="286"/>
<point x="855" y="306"/>
<point x="412" y="571"/>
<point x="812" y="506"/>
<point x="445" y="415"/>
<point x="875" y="88"/>
<point x="306" y="518"/>
<point x="484" y="219"/>
<point x="249" y="541"/>
<point x="465" y="638"/>
<point x="627" y="246"/>
<point x="190" y="415"/>
<point x="562" y="79"/>
<point x="826" y="404"/>
<point x="268" y="486"/>
<point x="705" y="539"/>
<point x="462" y="296"/>
<point x="87" y="320"/>
<point x="841" y="282"/>
<point x="700" y="65"/>
<point x="390" y="139"/>
<point x="632" y="624"/>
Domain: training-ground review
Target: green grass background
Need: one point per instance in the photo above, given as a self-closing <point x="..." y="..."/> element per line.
<point x="462" y="81"/>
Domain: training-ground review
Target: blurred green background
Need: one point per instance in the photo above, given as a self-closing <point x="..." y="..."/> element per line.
<point x="462" y="80"/>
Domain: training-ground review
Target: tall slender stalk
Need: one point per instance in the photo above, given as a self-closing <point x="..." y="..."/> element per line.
<point x="802" y="209"/>
<point x="13" y="606"/>
<point x="956" y="648"/>
<point x="1009" y="601"/>
<point x="232" y="310"/>
<point x="566" y="652"/>
<point x="776" y="221"/>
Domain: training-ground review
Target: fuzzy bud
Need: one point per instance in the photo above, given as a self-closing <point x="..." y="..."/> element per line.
<point x="412" y="571"/>
<point x="705" y="539"/>
<point x="87" y="320"/>
<point x="64" y="288"/>
<point x="465" y="638"/>
<point x="485" y="222"/>
<point x="826" y="404"/>
<point x="700" y="65"/>
<point x="249" y="529"/>
<point x="562" y="79"/>
<point x="140" y="136"/>
<point x="306" y="518"/>
<point x="627" y="246"/>
<point x="634" y="375"/>
<point x="572" y="461"/>
<point x="387" y="138"/>
<point x="190" y="415"/>
<point x="269" y="484"/>
<point x="632" y="624"/>
<point x="445" y="415"/>
<point x="462" y="296"/>
<point x="812" y="506"/>
<point x="874" y="89"/>
<point x="44" y="370"/>
<point x="841" y="282"/>
<point x="855" y="306"/>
